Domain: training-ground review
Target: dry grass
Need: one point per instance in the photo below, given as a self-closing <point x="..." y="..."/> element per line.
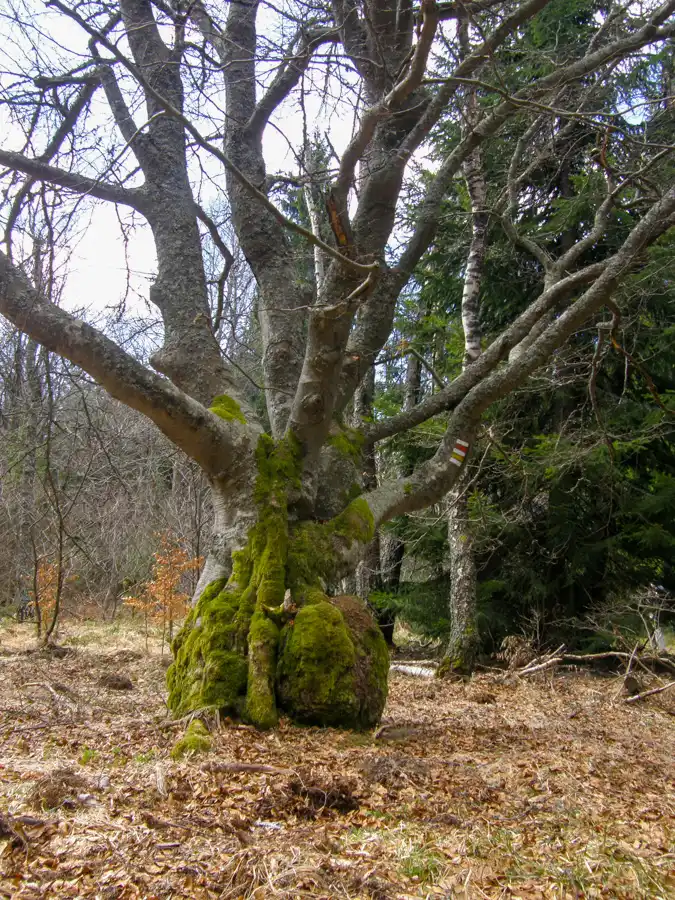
<point x="537" y="789"/>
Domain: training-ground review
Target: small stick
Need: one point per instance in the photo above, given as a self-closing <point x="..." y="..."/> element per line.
<point x="644" y="694"/>
<point x="160" y="781"/>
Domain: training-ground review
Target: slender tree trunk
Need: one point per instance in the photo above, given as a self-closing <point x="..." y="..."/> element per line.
<point x="368" y="574"/>
<point x="460" y="653"/>
<point x="463" y="644"/>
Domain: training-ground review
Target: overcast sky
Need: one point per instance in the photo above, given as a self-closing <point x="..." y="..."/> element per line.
<point x="102" y="267"/>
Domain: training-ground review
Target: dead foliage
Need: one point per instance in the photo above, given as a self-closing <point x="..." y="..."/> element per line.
<point x="116" y="682"/>
<point x="316" y="794"/>
<point x="60" y="788"/>
<point x="393" y="770"/>
<point x="548" y="786"/>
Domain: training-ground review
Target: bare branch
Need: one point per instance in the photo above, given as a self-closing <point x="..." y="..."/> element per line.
<point x="201" y="434"/>
<point x="170" y="110"/>
<point x="80" y="184"/>
<point x="66" y="127"/>
<point x="289" y="74"/>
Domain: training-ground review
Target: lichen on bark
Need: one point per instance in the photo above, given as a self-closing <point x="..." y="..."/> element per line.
<point x="269" y="639"/>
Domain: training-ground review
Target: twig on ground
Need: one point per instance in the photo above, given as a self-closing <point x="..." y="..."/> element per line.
<point x="650" y="693"/>
<point x="160" y="781"/>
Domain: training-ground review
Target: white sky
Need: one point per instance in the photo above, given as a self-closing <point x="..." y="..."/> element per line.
<point x="99" y="272"/>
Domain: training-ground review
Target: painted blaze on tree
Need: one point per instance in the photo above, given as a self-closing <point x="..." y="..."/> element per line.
<point x="269" y="638"/>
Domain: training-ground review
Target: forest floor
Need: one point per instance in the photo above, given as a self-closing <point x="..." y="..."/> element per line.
<point x="547" y="787"/>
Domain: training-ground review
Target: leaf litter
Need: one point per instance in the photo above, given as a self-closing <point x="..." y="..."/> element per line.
<point x="504" y="787"/>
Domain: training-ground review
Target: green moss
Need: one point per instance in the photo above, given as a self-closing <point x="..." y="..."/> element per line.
<point x="315" y="679"/>
<point x="348" y="442"/>
<point x="355" y="523"/>
<point x="227" y="408"/>
<point x="195" y="740"/>
<point x="352" y="492"/>
<point x="313" y="547"/>
<point x="461" y="654"/>
<point x="263" y="638"/>
<point x="209" y="669"/>
<point x="225" y="656"/>
<point x="311" y="556"/>
<point x="279" y="465"/>
<point x="374" y="647"/>
<point x="216" y="653"/>
<point x="333" y="668"/>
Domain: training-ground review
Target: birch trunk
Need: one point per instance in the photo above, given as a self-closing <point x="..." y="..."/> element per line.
<point x="462" y="647"/>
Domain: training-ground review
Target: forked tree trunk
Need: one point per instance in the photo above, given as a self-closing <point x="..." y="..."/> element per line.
<point x="263" y="636"/>
<point x="267" y="639"/>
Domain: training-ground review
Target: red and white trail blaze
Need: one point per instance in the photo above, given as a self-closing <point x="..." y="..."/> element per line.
<point x="459" y="452"/>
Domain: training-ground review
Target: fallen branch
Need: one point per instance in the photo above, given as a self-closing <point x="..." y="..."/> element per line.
<point x="548" y="664"/>
<point x="658" y="690"/>
<point x="58" y="692"/>
<point x="557" y="657"/>
<point x="410" y="669"/>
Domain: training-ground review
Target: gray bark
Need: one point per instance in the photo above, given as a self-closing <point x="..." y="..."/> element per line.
<point x="463" y="643"/>
<point x="368" y="574"/>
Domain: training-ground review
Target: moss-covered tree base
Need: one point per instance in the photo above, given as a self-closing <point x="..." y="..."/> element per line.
<point x="210" y="669"/>
<point x="269" y="640"/>
<point x="460" y="655"/>
<point x="327" y="666"/>
<point x="333" y="665"/>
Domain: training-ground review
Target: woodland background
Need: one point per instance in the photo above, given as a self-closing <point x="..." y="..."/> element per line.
<point x="569" y="490"/>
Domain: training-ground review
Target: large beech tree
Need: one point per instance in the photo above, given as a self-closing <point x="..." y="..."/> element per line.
<point x="138" y="99"/>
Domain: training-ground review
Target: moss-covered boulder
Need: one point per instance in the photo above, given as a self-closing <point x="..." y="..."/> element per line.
<point x="333" y="665"/>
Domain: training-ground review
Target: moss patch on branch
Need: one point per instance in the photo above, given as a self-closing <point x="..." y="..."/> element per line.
<point x="314" y="547"/>
<point x="348" y="442"/>
<point x="227" y="408"/>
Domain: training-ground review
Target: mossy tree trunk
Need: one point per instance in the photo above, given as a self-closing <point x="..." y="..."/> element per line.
<point x="267" y="639"/>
